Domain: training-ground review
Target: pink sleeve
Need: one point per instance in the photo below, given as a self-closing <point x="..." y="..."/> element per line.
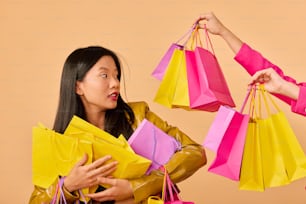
<point x="252" y="61"/>
<point x="299" y="106"/>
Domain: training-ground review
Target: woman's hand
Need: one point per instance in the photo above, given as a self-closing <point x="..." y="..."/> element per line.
<point x="274" y="83"/>
<point x="120" y="190"/>
<point x="213" y="24"/>
<point x="84" y="176"/>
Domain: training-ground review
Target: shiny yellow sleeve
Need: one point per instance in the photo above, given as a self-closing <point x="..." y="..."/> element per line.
<point x="182" y="165"/>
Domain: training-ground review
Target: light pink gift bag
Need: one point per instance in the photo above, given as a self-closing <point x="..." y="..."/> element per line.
<point x="152" y="143"/>
<point x="161" y="68"/>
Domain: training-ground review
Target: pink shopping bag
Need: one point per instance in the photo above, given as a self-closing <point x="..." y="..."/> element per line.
<point x="154" y="144"/>
<point x="226" y="137"/>
<point x="207" y="86"/>
<point x="161" y="68"/>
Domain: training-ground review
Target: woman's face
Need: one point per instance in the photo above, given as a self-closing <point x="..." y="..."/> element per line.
<point x="99" y="89"/>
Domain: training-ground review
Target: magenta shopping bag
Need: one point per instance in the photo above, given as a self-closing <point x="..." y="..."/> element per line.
<point x="207" y="86"/>
<point x="226" y="137"/>
<point x="152" y="143"/>
<point x="229" y="154"/>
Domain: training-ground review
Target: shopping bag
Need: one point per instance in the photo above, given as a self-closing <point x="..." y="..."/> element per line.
<point x="106" y="144"/>
<point x="251" y="175"/>
<point x="54" y="154"/>
<point x="226" y="137"/>
<point x="155" y="200"/>
<point x="222" y="122"/>
<point x="293" y="154"/>
<point x="170" y="194"/>
<point x="273" y="166"/>
<point x="284" y="159"/>
<point x="229" y="154"/>
<point x="173" y="89"/>
<point x="154" y="144"/>
<point x="161" y="68"/>
<point x="207" y="86"/>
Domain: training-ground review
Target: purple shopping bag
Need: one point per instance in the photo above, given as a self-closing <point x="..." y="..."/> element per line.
<point x="226" y="137"/>
<point x="152" y="143"/>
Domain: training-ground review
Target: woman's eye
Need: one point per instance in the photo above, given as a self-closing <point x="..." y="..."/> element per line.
<point x="103" y="75"/>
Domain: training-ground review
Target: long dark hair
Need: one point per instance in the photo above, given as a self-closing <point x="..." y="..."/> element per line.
<point x="78" y="63"/>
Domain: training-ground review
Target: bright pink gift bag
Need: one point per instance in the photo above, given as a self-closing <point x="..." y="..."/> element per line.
<point x="206" y="83"/>
<point x="226" y="137"/>
<point x="152" y="143"/>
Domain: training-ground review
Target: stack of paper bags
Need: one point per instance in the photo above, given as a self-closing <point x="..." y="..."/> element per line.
<point x="55" y="154"/>
<point x="190" y="75"/>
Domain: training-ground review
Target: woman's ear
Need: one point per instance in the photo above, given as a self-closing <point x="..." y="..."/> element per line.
<point x="78" y="88"/>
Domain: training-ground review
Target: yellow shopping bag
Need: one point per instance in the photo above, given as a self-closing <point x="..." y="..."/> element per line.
<point x="54" y="155"/>
<point x="281" y="158"/>
<point x="173" y="90"/>
<point x="292" y="154"/>
<point x="251" y="176"/>
<point x="130" y="165"/>
<point x="273" y="165"/>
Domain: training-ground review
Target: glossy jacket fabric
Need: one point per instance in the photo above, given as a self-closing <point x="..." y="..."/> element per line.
<point x="183" y="164"/>
<point x="253" y="61"/>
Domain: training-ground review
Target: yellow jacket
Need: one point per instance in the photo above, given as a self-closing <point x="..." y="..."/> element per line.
<point x="183" y="163"/>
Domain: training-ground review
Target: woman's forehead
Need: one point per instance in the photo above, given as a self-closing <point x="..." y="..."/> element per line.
<point x="106" y="63"/>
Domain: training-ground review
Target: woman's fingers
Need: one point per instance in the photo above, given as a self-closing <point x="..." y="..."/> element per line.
<point x="102" y="167"/>
<point x="99" y="162"/>
<point x="82" y="161"/>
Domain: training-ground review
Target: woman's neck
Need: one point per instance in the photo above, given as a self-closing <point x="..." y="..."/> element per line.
<point x="97" y="119"/>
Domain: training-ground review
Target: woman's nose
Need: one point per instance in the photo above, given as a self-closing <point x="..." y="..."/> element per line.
<point x="114" y="82"/>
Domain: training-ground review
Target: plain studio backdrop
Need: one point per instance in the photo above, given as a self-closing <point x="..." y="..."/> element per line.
<point x="36" y="37"/>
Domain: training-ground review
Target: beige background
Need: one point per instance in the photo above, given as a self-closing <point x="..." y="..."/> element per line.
<point x="36" y="37"/>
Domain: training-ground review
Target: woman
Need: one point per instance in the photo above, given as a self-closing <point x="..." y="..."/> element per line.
<point x="261" y="69"/>
<point x="90" y="89"/>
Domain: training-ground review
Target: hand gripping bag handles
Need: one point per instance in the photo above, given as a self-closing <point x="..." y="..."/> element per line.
<point x="59" y="196"/>
<point x="206" y="83"/>
<point x="226" y="137"/>
<point x="170" y="194"/>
